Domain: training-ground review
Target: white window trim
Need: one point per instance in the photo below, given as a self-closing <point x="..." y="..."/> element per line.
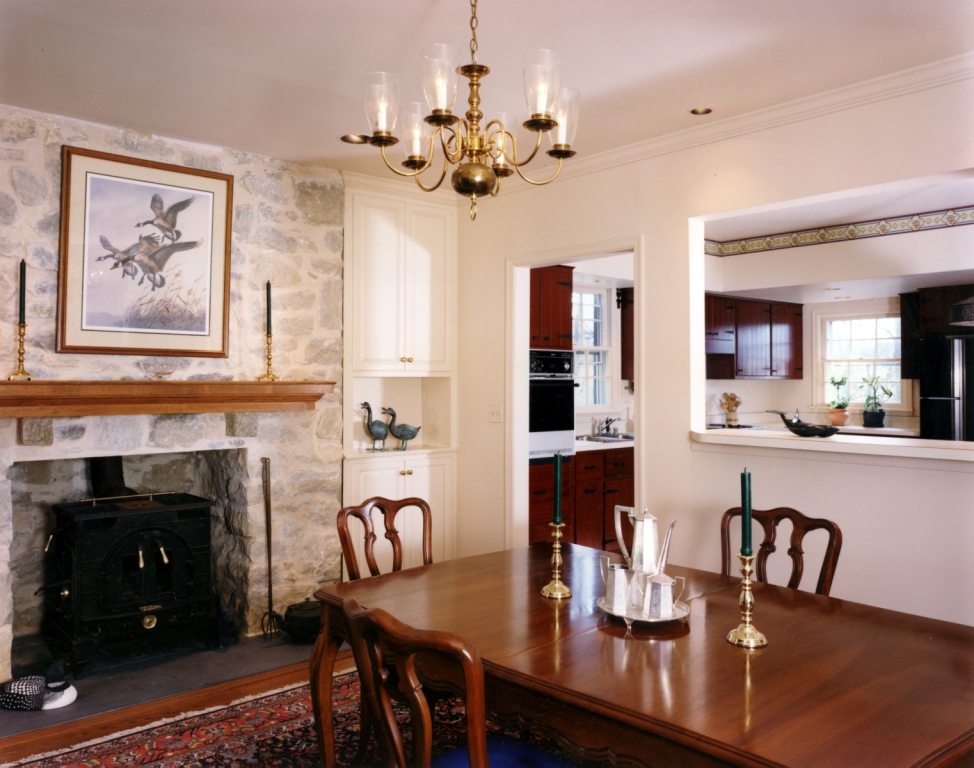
<point x="613" y="347"/>
<point x="887" y="307"/>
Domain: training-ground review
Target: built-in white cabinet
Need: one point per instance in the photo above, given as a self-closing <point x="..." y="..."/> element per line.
<point x="403" y="259"/>
<point x="430" y="476"/>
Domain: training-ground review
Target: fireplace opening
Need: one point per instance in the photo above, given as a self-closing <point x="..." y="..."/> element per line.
<point x="120" y="560"/>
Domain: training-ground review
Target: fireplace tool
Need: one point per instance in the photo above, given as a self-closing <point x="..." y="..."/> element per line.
<point x="271" y="623"/>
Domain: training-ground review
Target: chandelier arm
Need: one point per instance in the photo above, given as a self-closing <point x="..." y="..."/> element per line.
<point x="514" y="163"/>
<point x="540" y="183"/>
<point x="453" y="157"/>
<point x="446" y="164"/>
<point x="497" y="187"/>
<point x="405" y="173"/>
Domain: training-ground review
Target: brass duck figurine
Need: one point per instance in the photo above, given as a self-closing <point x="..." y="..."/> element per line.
<point x="377" y="429"/>
<point x="402" y="432"/>
<point x="803" y="428"/>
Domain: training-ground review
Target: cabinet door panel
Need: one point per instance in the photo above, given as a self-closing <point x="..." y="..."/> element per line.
<point x="365" y="479"/>
<point x="556" y="306"/>
<point x="786" y="341"/>
<point x="622" y="491"/>
<point x="628" y="322"/>
<point x="620" y="462"/>
<point x="753" y="338"/>
<point x="588" y="514"/>
<point x="377" y="303"/>
<point x="719" y="325"/>
<point x="426" y="297"/>
<point x="431" y="480"/>
<point x="536" y="342"/>
<point x="589" y="466"/>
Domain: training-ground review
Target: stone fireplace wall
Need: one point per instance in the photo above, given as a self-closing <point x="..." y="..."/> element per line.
<point x="287" y="228"/>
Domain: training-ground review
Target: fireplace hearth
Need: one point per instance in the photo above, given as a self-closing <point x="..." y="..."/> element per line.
<point x="131" y="576"/>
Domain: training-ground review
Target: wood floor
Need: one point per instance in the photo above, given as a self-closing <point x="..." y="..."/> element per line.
<point x="67" y="734"/>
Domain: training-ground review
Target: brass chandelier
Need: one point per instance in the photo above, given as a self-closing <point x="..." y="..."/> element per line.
<point x="483" y="156"/>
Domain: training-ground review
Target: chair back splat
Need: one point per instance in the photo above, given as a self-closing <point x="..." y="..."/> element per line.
<point x="389" y="509"/>
<point x="769" y="519"/>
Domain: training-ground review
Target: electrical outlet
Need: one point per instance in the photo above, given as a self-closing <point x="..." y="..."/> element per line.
<point x="494" y="414"/>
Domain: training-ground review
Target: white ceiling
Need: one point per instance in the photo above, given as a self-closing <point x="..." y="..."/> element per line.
<point x="283" y="77"/>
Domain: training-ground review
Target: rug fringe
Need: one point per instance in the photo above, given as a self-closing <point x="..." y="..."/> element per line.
<point x="163" y="721"/>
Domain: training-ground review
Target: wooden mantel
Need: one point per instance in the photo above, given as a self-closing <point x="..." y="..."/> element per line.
<point x="115" y="398"/>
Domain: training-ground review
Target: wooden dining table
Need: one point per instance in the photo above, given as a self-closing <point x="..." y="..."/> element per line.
<point x="839" y="683"/>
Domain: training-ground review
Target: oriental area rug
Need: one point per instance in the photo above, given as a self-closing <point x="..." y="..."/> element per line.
<point x="265" y="731"/>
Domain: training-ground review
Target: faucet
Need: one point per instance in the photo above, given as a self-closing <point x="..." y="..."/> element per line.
<point x="603" y="426"/>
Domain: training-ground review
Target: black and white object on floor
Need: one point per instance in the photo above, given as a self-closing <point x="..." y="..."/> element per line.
<point x="33" y="692"/>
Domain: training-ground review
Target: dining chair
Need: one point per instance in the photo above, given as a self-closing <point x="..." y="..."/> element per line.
<point x="769" y="520"/>
<point x="389" y="509"/>
<point x="375" y="635"/>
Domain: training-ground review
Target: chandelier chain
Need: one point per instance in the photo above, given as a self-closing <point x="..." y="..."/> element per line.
<point x="473" y="29"/>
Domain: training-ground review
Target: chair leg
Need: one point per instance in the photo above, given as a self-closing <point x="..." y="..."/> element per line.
<point x="365" y="732"/>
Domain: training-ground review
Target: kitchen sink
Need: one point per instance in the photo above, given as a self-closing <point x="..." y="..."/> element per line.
<point x="609" y="438"/>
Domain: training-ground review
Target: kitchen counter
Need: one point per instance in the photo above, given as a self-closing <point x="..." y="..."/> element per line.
<point x="591" y="445"/>
<point x="853" y="430"/>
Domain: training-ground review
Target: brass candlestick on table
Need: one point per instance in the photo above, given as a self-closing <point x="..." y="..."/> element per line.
<point x="556" y="589"/>
<point x="20" y="374"/>
<point x="269" y="376"/>
<point x="746" y="635"/>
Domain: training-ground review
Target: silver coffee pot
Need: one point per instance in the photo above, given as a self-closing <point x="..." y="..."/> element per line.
<point x="646" y="559"/>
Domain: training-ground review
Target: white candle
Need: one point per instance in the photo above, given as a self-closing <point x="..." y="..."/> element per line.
<point x="383" y="113"/>
<point x="542" y="96"/>
<point x="440" y="93"/>
<point x="561" y="132"/>
<point x="415" y="142"/>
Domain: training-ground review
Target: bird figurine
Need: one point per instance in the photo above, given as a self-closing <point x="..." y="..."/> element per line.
<point x="165" y="220"/>
<point x="377" y="429"/>
<point x="402" y="432"/>
<point x="803" y="428"/>
<point x="152" y="257"/>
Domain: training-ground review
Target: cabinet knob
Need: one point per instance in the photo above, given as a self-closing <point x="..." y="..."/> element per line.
<point x="402" y="471"/>
<point x="740" y="370"/>
<point x="409" y="359"/>
<point x="409" y="471"/>
<point x="402" y="359"/>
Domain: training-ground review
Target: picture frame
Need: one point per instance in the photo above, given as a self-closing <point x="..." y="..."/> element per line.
<point x="144" y="265"/>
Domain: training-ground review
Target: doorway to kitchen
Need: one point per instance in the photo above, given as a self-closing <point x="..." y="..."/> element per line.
<point x="600" y="286"/>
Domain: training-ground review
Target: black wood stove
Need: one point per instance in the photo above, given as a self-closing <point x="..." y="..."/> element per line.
<point x="131" y="576"/>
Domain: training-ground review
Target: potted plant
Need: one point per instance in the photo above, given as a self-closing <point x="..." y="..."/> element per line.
<point x="839" y="407"/>
<point x="873" y="415"/>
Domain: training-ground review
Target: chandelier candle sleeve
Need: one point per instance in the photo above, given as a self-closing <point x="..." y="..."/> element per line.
<point x="268" y="307"/>
<point x="746" y="513"/>
<point x="23" y="292"/>
<point x="557" y="518"/>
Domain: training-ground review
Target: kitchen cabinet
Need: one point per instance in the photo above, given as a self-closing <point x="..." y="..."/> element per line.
<point x="402" y="260"/>
<point x="541" y="503"/>
<point x="430" y="476"/>
<point x="720" y="330"/>
<point x="628" y="329"/>
<point x="551" y="307"/>
<point x="592" y="484"/>
<point x="934" y="304"/>
<point x="765" y="341"/>
<point x="910" y="335"/>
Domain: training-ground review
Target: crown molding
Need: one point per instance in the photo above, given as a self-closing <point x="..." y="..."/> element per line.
<point x="891" y="86"/>
<point x="405" y="188"/>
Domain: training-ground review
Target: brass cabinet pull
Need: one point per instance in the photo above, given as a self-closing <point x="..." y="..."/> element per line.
<point x="409" y="471"/>
<point x="402" y="471"/>
<point x="49" y="540"/>
<point x="141" y="561"/>
<point x="409" y="359"/>
<point x="165" y="560"/>
<point x="402" y="359"/>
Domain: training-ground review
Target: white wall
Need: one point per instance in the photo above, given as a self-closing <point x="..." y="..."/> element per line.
<point x="908" y="524"/>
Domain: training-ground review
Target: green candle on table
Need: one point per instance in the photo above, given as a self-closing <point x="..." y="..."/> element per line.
<point x="23" y="291"/>
<point x="557" y="520"/>
<point x="746" y="513"/>
<point x="268" y="307"/>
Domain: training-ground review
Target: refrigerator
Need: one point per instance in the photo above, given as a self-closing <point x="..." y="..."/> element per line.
<point x="945" y="380"/>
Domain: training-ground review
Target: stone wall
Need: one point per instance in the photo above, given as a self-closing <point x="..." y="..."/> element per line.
<point x="287" y="228"/>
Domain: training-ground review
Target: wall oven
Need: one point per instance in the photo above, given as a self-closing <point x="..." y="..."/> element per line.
<point x="551" y="404"/>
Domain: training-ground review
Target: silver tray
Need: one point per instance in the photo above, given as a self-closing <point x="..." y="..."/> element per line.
<point x="680" y="611"/>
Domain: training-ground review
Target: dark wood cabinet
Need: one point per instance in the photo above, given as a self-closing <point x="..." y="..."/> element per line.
<point x="628" y="323"/>
<point x="720" y="328"/>
<point x="551" y="307"/>
<point x="753" y="339"/>
<point x="593" y="482"/>
<point x="910" y="335"/>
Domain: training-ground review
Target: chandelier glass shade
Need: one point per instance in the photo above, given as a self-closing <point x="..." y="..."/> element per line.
<point x="483" y="154"/>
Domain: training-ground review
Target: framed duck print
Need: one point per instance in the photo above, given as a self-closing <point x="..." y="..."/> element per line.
<point x="145" y="257"/>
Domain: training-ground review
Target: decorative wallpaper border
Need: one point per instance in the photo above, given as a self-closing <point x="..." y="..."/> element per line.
<point x="898" y="225"/>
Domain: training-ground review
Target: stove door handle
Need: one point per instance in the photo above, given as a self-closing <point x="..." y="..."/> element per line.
<point x="141" y="561"/>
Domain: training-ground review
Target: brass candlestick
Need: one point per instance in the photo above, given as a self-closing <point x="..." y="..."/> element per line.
<point x="269" y="376"/>
<point x="556" y="589"/>
<point x="746" y="635"/>
<point x="20" y="374"/>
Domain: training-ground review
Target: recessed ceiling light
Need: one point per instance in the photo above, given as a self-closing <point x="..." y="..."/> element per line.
<point x="831" y="289"/>
<point x="701" y="111"/>
<point x="840" y="298"/>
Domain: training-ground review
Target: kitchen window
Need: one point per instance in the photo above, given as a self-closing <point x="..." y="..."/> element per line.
<point x="590" y="341"/>
<point x="859" y="340"/>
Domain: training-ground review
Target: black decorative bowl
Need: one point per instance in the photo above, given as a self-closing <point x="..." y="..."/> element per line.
<point x="803" y="429"/>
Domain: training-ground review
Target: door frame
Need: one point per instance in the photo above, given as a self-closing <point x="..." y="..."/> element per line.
<point x="518" y="319"/>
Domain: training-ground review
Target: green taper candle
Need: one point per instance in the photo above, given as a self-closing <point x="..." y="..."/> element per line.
<point x="746" y="513"/>
<point x="268" y="307"/>
<point x="557" y="520"/>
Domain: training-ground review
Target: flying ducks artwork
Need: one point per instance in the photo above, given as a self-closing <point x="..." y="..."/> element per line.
<point x="148" y="257"/>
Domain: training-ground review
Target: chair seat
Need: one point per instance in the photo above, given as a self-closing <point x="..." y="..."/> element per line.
<point x="504" y="752"/>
